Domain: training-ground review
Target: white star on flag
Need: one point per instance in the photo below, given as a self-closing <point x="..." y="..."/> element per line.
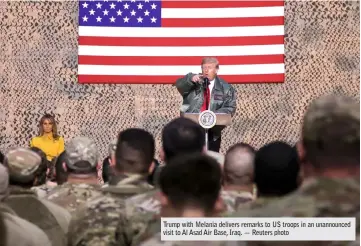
<point x="85" y="5"/>
<point x="153" y="19"/>
<point x="112" y="19"/>
<point x="146" y="13"/>
<point x="112" y="6"/>
<point x="92" y="12"/>
<point x="126" y="19"/>
<point x="133" y="12"/>
<point x="140" y="19"/>
<point x="105" y="12"/>
<point x="99" y="19"/>
<point x="85" y="19"/>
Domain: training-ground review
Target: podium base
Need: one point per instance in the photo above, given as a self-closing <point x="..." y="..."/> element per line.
<point x="206" y="135"/>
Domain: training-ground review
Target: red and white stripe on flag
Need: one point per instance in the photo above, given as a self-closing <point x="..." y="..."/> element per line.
<point x="247" y="37"/>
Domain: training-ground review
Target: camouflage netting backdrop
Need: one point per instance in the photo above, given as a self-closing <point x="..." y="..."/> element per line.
<point x="38" y="67"/>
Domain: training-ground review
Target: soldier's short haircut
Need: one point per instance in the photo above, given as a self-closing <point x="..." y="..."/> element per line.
<point x="238" y="166"/>
<point x="182" y="136"/>
<point x="276" y="169"/>
<point x="135" y="151"/>
<point x="331" y="131"/>
<point x="191" y="181"/>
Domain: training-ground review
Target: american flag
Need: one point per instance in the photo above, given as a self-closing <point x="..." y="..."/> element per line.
<point x="159" y="41"/>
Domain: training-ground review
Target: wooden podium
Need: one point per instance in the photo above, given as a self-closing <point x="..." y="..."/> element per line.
<point x="208" y="119"/>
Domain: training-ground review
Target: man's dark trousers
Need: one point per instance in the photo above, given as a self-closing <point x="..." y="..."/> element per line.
<point x="213" y="145"/>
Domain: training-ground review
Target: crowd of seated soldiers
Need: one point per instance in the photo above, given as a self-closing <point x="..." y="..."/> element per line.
<point x="64" y="203"/>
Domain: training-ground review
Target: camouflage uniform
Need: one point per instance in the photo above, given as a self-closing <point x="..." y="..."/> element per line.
<point x="13" y="229"/>
<point x="49" y="217"/>
<point x="72" y="196"/>
<point x="20" y="232"/>
<point x="321" y="197"/>
<point x="234" y="198"/>
<point x="156" y="240"/>
<point x="141" y="220"/>
<point x="95" y="223"/>
<point x="43" y="190"/>
<point x="52" y="219"/>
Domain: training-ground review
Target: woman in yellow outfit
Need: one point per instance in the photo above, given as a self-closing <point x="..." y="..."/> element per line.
<point x="48" y="140"/>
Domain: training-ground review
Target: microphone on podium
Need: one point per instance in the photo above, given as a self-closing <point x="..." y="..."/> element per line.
<point x="206" y="81"/>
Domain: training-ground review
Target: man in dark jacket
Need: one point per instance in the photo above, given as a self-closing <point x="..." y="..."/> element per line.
<point x="222" y="96"/>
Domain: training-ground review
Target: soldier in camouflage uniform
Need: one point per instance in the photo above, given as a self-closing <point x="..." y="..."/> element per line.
<point x="330" y="147"/>
<point x="179" y="196"/>
<point x="82" y="181"/>
<point x="276" y="172"/>
<point x="238" y="176"/>
<point x="180" y="136"/>
<point x="23" y="165"/>
<point x="95" y="223"/>
<point x="13" y="229"/>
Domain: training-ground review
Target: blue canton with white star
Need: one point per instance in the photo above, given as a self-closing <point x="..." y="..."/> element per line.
<point x="129" y="13"/>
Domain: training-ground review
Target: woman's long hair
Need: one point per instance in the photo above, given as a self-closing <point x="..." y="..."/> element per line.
<point x="52" y="120"/>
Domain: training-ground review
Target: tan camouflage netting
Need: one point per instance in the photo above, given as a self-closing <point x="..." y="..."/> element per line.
<point x="38" y="66"/>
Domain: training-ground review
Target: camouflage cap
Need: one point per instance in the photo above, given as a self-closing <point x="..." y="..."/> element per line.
<point x="22" y="163"/>
<point x="331" y="113"/>
<point x="4" y="182"/>
<point x="81" y="149"/>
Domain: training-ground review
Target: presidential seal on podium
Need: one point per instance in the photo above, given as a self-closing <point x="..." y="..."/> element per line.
<point x="207" y="119"/>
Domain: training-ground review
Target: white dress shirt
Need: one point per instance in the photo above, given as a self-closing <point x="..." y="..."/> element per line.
<point x="210" y="86"/>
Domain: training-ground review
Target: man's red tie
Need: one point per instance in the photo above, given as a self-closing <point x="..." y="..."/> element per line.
<point x="204" y="106"/>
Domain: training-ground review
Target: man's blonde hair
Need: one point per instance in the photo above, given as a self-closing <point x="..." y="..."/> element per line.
<point x="210" y="60"/>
